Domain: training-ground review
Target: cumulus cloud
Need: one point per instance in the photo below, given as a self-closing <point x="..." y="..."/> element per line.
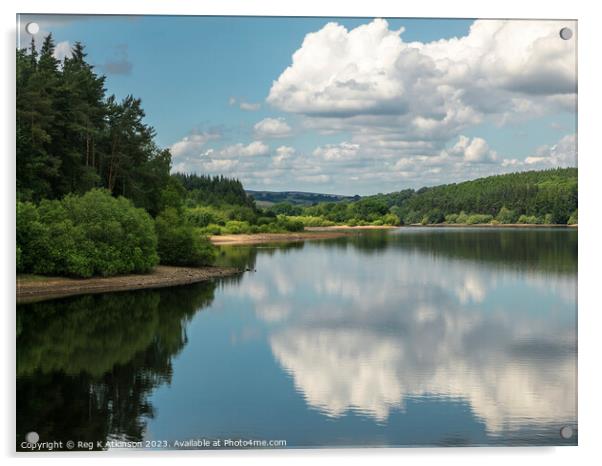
<point x="243" y="105"/>
<point x="272" y="128"/>
<point x="337" y="152"/>
<point x="253" y="149"/>
<point x="371" y="70"/>
<point x="404" y="106"/>
<point x="283" y="155"/>
<point x="191" y="144"/>
<point x="473" y="150"/>
<point x="402" y="109"/>
<point x="561" y="154"/>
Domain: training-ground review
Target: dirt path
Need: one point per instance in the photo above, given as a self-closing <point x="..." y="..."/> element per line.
<point x="36" y="288"/>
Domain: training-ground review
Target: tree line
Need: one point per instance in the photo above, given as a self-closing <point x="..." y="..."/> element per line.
<point x="533" y="197"/>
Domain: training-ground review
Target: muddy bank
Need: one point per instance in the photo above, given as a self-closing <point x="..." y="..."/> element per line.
<point x="36" y="288"/>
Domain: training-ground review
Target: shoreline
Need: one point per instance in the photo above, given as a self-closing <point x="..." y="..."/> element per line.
<point x="338" y="231"/>
<point x="490" y="225"/>
<point x="310" y="233"/>
<point x="32" y="288"/>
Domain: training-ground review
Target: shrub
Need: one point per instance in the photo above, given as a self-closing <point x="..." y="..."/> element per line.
<point x="572" y="219"/>
<point x="203" y="216"/>
<point x="312" y="221"/>
<point x="479" y="218"/>
<point x="462" y="218"/>
<point x="506" y="216"/>
<point x="93" y="234"/>
<point x="179" y="243"/>
<point x="451" y="218"/>
<point x="528" y="219"/>
<point x="236" y="227"/>
<point x="391" y="219"/>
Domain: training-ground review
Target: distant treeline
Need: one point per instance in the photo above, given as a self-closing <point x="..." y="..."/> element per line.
<point x="546" y="196"/>
<point x="214" y="190"/>
<point x="296" y="197"/>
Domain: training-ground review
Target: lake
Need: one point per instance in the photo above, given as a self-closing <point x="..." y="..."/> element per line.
<point x="405" y="337"/>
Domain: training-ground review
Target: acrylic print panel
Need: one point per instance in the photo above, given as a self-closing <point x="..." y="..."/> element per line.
<point x="278" y="232"/>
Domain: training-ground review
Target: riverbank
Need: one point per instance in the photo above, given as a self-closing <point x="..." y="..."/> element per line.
<point x="310" y="233"/>
<point x="32" y="288"/>
<point x="493" y="225"/>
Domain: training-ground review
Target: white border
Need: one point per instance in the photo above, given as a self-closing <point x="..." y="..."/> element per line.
<point x="590" y="154"/>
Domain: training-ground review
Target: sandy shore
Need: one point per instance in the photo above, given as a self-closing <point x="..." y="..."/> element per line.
<point x="37" y="288"/>
<point x="308" y="234"/>
<point x="259" y="238"/>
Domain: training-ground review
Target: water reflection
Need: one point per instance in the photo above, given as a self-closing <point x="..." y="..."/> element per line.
<point x="418" y="322"/>
<point x="406" y="337"/>
<point x="87" y="365"/>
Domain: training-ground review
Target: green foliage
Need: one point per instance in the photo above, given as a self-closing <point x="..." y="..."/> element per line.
<point x="216" y="190"/>
<point x="451" y="218"/>
<point x="534" y="193"/>
<point x="573" y="218"/>
<point x="71" y="137"/>
<point x="475" y="219"/>
<point x="82" y="236"/>
<point x="506" y="216"/>
<point x="529" y="219"/>
<point x="179" y="242"/>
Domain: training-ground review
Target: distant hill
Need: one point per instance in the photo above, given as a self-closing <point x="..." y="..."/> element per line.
<point x="267" y="198"/>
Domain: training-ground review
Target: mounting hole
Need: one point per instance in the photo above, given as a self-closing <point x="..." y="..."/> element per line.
<point x="32" y="28"/>
<point x="566" y="432"/>
<point x="566" y="33"/>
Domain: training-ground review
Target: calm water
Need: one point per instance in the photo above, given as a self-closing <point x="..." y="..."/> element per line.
<point x="406" y="337"/>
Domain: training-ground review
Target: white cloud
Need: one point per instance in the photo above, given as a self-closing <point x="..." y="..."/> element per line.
<point x="283" y="155"/>
<point x="475" y="150"/>
<point x="337" y="152"/>
<point x="62" y="50"/>
<point x="371" y="70"/>
<point x="272" y="128"/>
<point x="191" y="145"/>
<point x="247" y="106"/>
<point x="401" y="105"/>
<point x="253" y="149"/>
<point x="561" y="154"/>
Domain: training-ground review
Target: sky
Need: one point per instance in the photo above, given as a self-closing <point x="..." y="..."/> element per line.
<point x="339" y="105"/>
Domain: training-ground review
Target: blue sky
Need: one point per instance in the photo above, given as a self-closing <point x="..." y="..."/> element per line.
<point x="408" y="110"/>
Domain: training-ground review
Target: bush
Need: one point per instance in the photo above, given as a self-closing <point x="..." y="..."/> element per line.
<point x="179" y="243"/>
<point x="529" y="219"/>
<point x="82" y="236"/>
<point x="236" y="227"/>
<point x="506" y="216"/>
<point x="451" y="218"/>
<point x="462" y="218"/>
<point x="203" y="216"/>
<point x="391" y="219"/>
<point x="311" y="221"/>
<point x="478" y="218"/>
<point x="572" y="219"/>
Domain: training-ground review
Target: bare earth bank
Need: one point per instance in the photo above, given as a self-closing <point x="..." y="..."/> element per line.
<point x="36" y="288"/>
<point x="308" y="234"/>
